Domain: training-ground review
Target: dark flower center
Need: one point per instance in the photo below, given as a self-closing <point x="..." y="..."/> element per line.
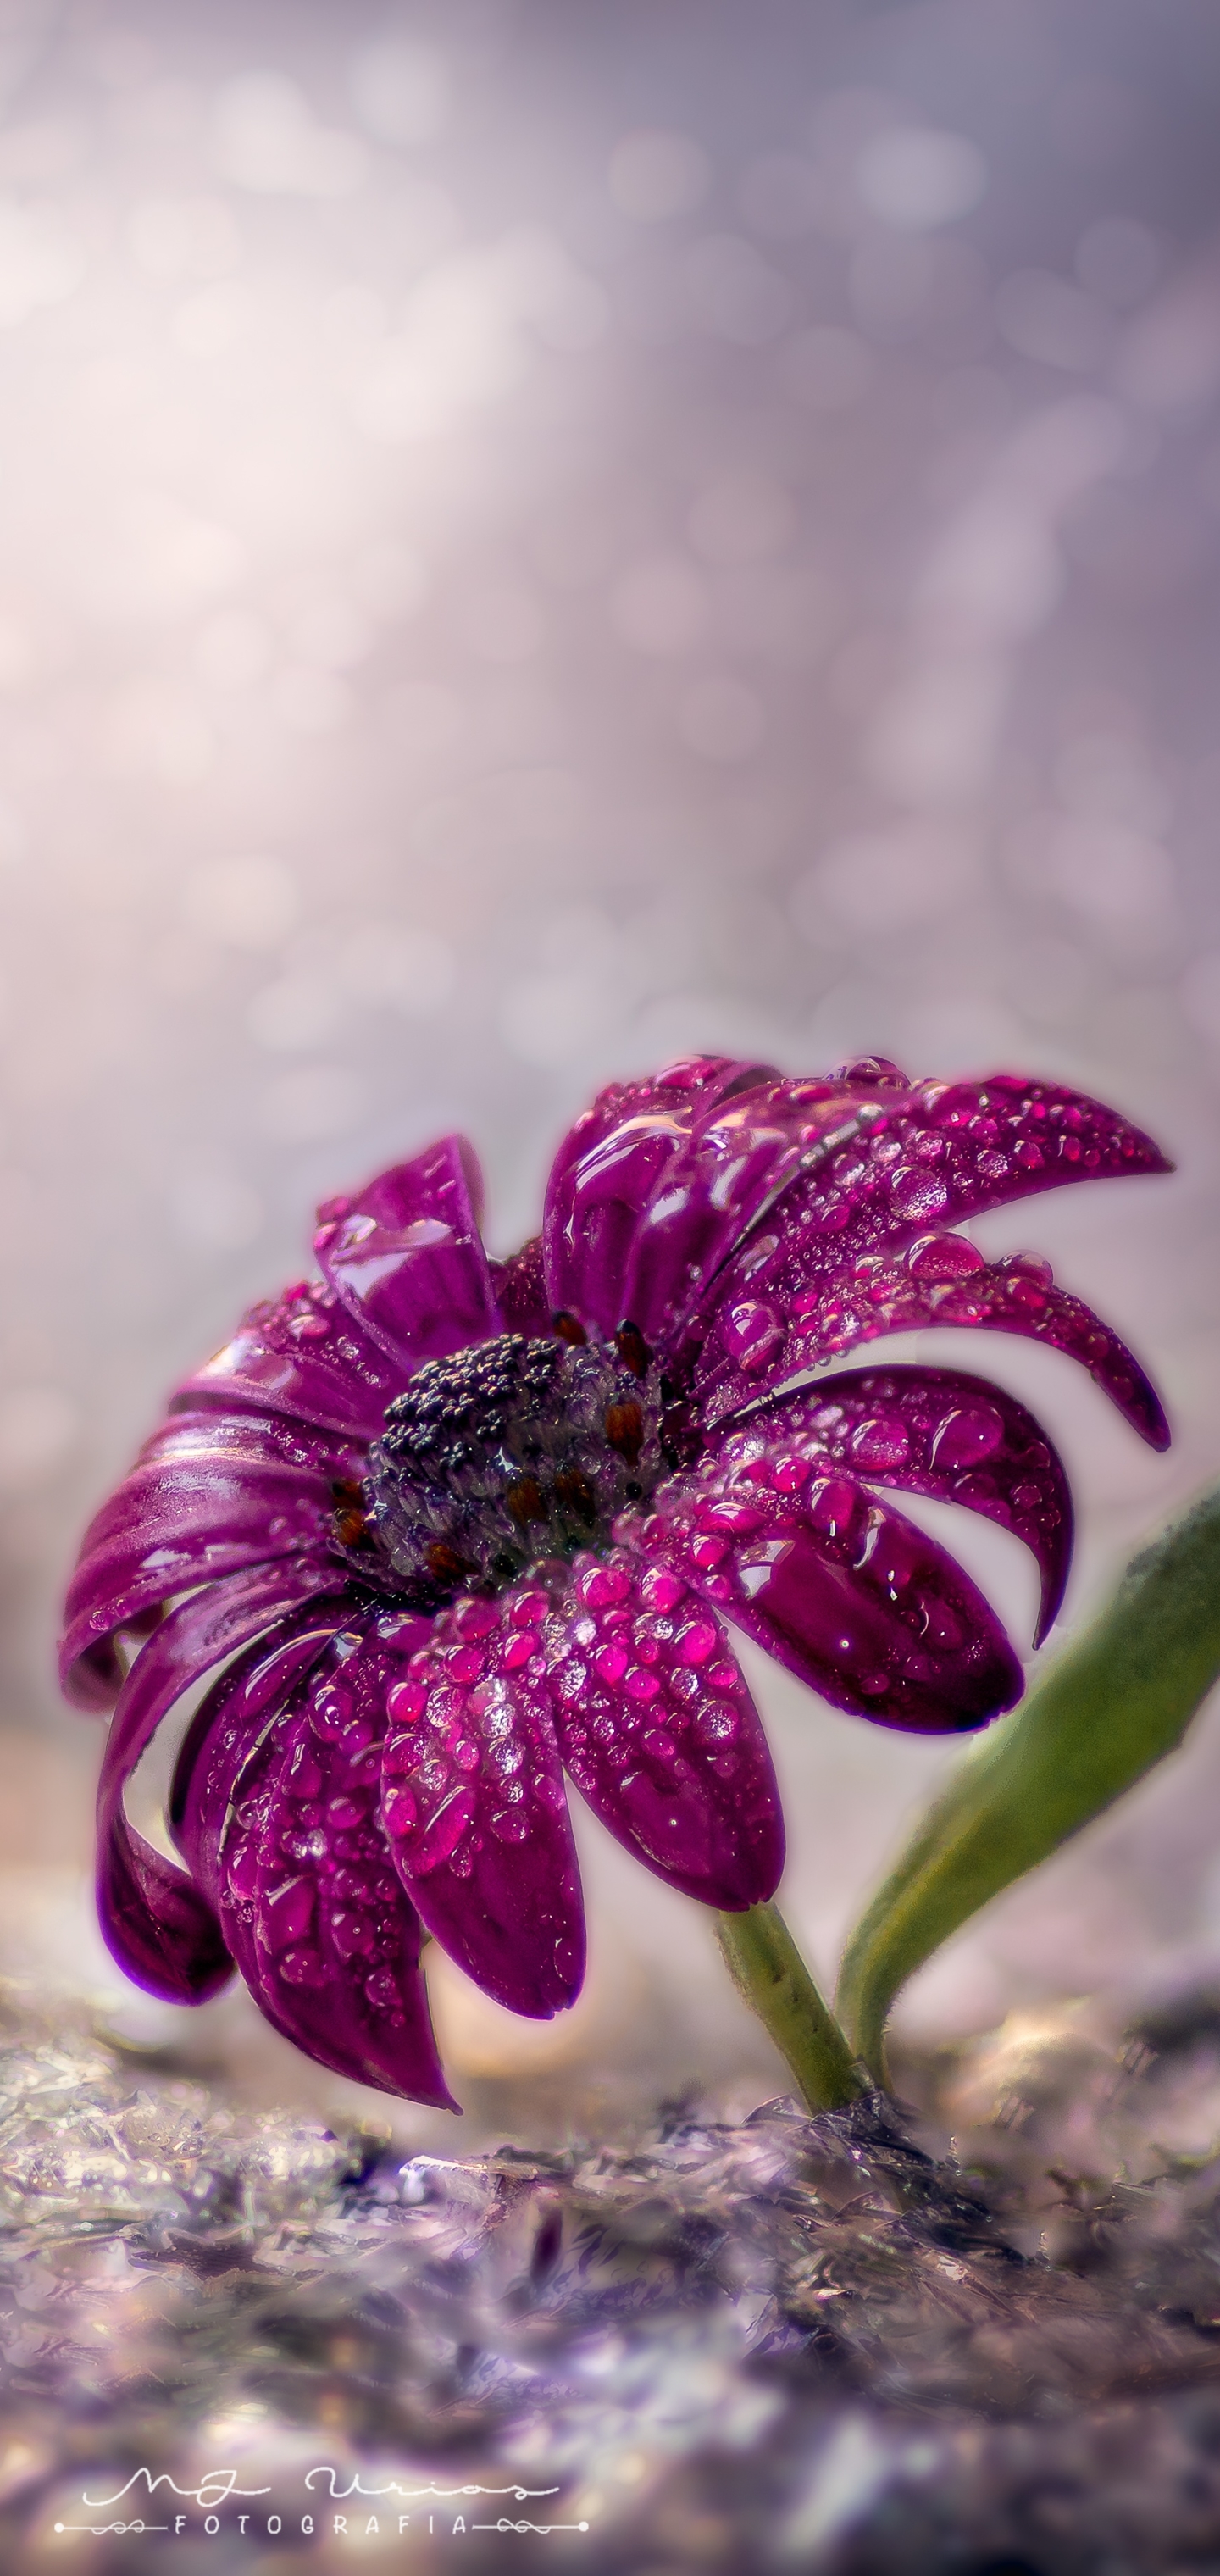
<point x="509" y="1453"/>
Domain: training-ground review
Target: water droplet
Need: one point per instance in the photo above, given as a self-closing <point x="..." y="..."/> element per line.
<point x="880" y="1443"/>
<point x="287" y="1911"/>
<point x="969" y="1434"/>
<point x="381" y="1990"/>
<point x="511" y="1825"/>
<point x="352" y="1935"/>
<point x="715" y="1722"/>
<point x="943" y="1256"/>
<point x="750" y="1333"/>
<point x="303" y="1967"/>
<point x="399" y="1811"/>
<point x="918" y="1194"/>
<point x="641" y="1684"/>
<point x="444" y="1833"/>
<point x="330" y="1712"/>
<point x="465" y="1663"/>
<point x="696" y="1642"/>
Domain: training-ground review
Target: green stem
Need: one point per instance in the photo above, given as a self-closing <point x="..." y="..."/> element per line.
<point x="769" y="1973"/>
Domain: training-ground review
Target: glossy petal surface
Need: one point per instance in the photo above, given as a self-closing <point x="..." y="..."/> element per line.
<point x="406" y="1258"/>
<point x="935" y="1155"/>
<point x="519" y="1287"/>
<point x="938" y="1432"/>
<point x="659" y="1732"/>
<point x="210" y="1493"/>
<point x="943" y="1280"/>
<point x="302" y="1353"/>
<point x="162" y="1930"/>
<point x="845" y="1592"/>
<point x="614" y="1164"/>
<point x="278" y="1816"/>
<point x="474" y="1804"/>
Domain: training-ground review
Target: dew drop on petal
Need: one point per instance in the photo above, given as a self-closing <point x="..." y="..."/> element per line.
<point x="944" y="1256"/>
<point x="696" y="1642"/>
<point x="942" y="1627"/>
<point x="966" y="1436"/>
<point x="444" y="1833"/>
<point x="511" y="1825"/>
<point x="750" y="1333"/>
<point x="918" y="1193"/>
<point x="882" y="1442"/>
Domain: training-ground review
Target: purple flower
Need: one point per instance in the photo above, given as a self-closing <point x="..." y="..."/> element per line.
<point x="454" y="1527"/>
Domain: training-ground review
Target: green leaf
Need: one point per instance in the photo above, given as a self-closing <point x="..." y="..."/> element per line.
<point x="1115" y="1702"/>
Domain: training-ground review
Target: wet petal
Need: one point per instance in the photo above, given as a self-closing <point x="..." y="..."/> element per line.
<point x="304" y="1354"/>
<point x="943" y="1280"/>
<point x="610" y="1167"/>
<point x="406" y="1257"/>
<point x="934" y="1156"/>
<point x="156" y="1922"/>
<point x="928" y="1431"/>
<point x="276" y="1800"/>
<point x="208" y="1495"/>
<point x="659" y="1732"/>
<point x="720" y="1185"/>
<point x="475" y="1808"/>
<point x="520" y="1291"/>
<point x="844" y="1591"/>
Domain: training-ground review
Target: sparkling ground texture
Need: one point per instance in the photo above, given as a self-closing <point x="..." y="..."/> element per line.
<point x="773" y="2342"/>
<point x="534" y="538"/>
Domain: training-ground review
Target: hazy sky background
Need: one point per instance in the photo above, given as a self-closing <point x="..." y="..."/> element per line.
<point x="535" y="537"/>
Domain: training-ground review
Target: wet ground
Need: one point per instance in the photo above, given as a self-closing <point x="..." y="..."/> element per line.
<point x="980" y="2334"/>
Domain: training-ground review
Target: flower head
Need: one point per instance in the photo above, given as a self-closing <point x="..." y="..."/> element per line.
<point x="451" y="1528"/>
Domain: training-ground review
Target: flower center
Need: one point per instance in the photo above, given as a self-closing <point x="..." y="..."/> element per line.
<point x="514" y="1451"/>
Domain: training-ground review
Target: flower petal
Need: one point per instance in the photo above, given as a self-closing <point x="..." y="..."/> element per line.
<point x="520" y="1291"/>
<point x="474" y="1805"/>
<point x="277" y="1806"/>
<point x="302" y="1353"/>
<point x="931" y="1431"/>
<point x="612" y="1164"/>
<point x="936" y="1155"/>
<point x="406" y="1257"/>
<point x="944" y="1281"/>
<point x="846" y="1593"/>
<point x="660" y="1734"/>
<point x="210" y="1493"/>
<point x="719" y="1185"/>
<point x="155" y="1922"/>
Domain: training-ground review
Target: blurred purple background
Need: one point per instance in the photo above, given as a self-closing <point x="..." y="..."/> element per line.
<point x="534" y="538"/>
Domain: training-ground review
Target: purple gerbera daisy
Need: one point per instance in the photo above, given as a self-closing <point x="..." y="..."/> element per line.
<point x="454" y="1527"/>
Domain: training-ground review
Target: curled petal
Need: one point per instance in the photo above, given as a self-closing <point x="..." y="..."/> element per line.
<point x="156" y="1922"/>
<point x="943" y="1280"/>
<point x="846" y="1593"/>
<point x="474" y="1805"/>
<point x="935" y="1155"/>
<point x="659" y="1732"/>
<point x="720" y="1184"/>
<point x="276" y="1806"/>
<point x="406" y="1258"/>
<point x="303" y="1354"/>
<point x="208" y="1495"/>
<point x="937" y="1432"/>
<point x="610" y="1167"/>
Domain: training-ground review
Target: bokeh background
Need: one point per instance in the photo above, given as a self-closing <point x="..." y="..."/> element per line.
<point x="537" y="535"/>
